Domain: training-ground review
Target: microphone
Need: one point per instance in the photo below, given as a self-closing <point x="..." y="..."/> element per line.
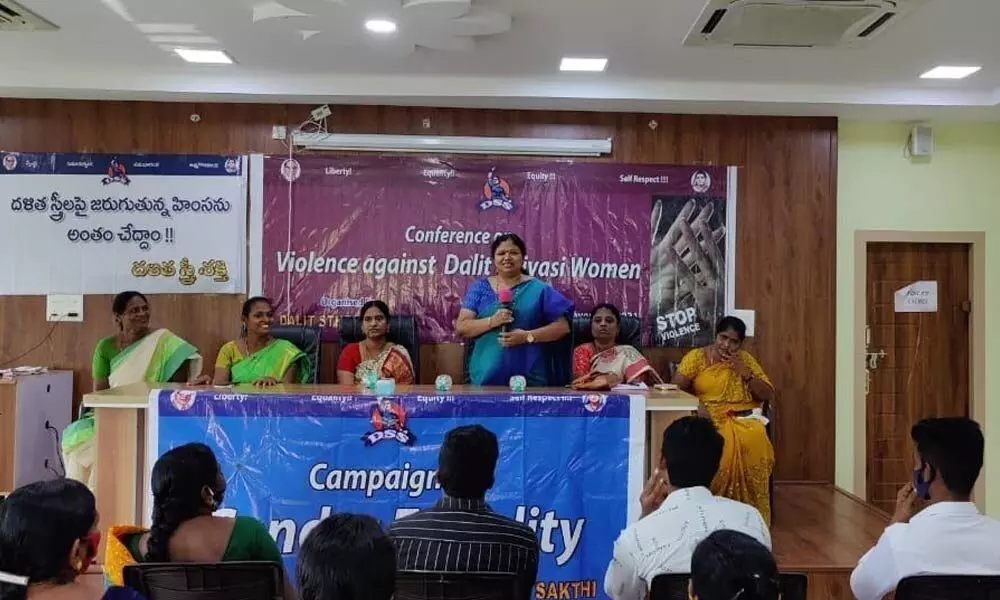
<point x="506" y="298"/>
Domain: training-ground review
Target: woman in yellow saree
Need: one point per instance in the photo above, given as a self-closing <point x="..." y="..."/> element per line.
<point x="731" y="387"/>
<point x="257" y="358"/>
<point x="375" y="354"/>
<point x="136" y="353"/>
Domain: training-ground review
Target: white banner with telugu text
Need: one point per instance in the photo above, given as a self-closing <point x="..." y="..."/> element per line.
<point x="101" y="224"/>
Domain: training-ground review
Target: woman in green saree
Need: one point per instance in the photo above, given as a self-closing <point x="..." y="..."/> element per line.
<point x="257" y="358"/>
<point x="136" y="353"/>
<point x="188" y="490"/>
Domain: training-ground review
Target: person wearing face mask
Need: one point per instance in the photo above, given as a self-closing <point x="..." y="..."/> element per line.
<point x="511" y="316"/>
<point x="134" y="354"/>
<point x="604" y="363"/>
<point x="375" y="354"/>
<point x="731" y="387"/>
<point x="48" y="537"/>
<point x="730" y="565"/>
<point x="256" y="357"/>
<point x="188" y="487"/>
<point x="947" y="536"/>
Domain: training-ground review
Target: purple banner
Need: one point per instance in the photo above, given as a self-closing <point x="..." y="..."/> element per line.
<point x="416" y="232"/>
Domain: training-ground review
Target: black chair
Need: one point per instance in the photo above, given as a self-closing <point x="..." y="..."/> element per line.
<point x="949" y="587"/>
<point x="308" y="340"/>
<point x="559" y="355"/>
<point x="674" y="586"/>
<point x="413" y="585"/>
<point x="257" y="580"/>
<point x="629" y="331"/>
<point x="402" y="331"/>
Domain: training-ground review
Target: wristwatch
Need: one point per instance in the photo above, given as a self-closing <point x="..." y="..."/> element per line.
<point x="531" y="338"/>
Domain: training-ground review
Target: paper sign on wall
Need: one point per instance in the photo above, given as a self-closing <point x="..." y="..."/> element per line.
<point x="919" y="296"/>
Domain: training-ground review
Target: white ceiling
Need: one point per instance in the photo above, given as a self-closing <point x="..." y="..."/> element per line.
<point x="109" y="49"/>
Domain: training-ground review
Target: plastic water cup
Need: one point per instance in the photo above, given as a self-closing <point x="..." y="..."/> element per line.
<point x="442" y="383"/>
<point x="518" y="383"/>
<point x="385" y="387"/>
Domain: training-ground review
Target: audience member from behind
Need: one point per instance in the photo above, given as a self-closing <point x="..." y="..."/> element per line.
<point x="135" y="353"/>
<point x="347" y="557"/>
<point x="947" y="537"/>
<point x="257" y="357"/>
<point x="48" y="538"/>
<point x="678" y="512"/>
<point x="729" y="564"/>
<point x="461" y="533"/>
<point x="188" y="487"/>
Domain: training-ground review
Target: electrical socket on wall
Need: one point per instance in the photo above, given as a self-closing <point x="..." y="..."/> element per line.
<point x="64" y="307"/>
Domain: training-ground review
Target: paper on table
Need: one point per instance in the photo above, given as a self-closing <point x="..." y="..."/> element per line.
<point x="630" y="386"/>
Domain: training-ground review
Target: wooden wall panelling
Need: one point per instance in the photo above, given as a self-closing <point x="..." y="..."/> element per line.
<point x="785" y="234"/>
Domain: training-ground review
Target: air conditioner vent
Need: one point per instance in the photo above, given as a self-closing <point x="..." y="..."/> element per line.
<point x="713" y="21"/>
<point x="877" y="25"/>
<point x="794" y="23"/>
<point x="14" y="17"/>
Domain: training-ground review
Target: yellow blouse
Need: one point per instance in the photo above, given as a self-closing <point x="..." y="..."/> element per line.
<point x="229" y="355"/>
<point x="718" y="385"/>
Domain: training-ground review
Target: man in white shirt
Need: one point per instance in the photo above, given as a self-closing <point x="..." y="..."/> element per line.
<point x="947" y="537"/>
<point x="678" y="511"/>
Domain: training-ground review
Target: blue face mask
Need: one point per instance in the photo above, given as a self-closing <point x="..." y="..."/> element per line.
<point x="921" y="487"/>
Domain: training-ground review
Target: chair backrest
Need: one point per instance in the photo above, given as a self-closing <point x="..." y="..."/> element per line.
<point x="457" y="586"/>
<point x="207" y="581"/>
<point x="949" y="587"/>
<point x="308" y="340"/>
<point x="674" y="586"/>
<point x="558" y="357"/>
<point x="402" y="331"/>
<point x="629" y="331"/>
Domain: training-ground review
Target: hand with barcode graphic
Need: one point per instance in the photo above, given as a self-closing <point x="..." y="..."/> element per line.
<point x="686" y="262"/>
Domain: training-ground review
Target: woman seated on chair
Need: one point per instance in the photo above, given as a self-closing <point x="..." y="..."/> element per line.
<point x="48" y="538"/>
<point x="135" y="354"/>
<point x="375" y="354"/>
<point x="731" y="387"/>
<point x="256" y="357"/>
<point x="188" y="487"/>
<point x="604" y="363"/>
<point x="730" y="565"/>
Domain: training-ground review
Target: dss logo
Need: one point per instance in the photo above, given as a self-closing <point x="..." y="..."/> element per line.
<point x="388" y="423"/>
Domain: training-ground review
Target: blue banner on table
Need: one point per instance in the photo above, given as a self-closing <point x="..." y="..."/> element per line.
<point x="292" y="460"/>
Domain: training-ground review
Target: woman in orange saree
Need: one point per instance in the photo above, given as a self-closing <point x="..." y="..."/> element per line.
<point x="375" y="354"/>
<point x="732" y="387"/>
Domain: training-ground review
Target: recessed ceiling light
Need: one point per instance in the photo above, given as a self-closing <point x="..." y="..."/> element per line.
<point x="213" y="57"/>
<point x="945" y="72"/>
<point x="380" y="26"/>
<point x="583" y="64"/>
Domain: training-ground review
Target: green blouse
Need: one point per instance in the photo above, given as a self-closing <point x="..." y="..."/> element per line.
<point x="248" y="541"/>
<point x="107" y="349"/>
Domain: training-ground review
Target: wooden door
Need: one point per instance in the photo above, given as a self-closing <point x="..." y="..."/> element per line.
<point x="920" y="359"/>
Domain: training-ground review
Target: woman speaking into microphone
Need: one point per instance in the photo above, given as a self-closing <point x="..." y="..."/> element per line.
<point x="511" y="315"/>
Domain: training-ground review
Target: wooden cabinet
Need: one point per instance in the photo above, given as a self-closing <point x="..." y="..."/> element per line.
<point x="34" y="410"/>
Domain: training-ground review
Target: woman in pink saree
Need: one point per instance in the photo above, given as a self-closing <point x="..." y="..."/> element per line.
<point x="604" y="363"/>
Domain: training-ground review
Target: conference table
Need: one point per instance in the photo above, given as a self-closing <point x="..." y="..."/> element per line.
<point x="122" y="463"/>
